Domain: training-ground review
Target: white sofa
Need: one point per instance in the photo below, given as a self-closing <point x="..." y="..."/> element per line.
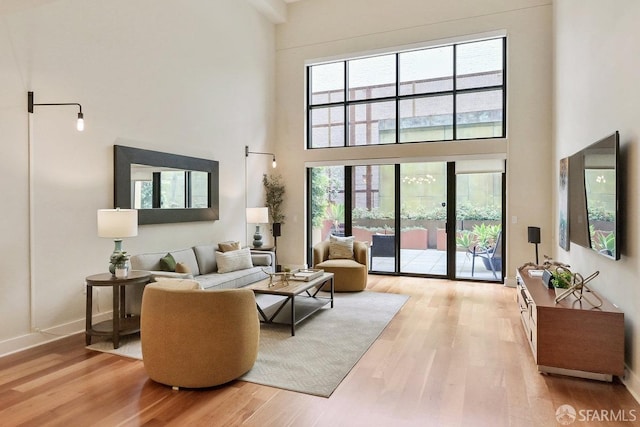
<point x="201" y="261"/>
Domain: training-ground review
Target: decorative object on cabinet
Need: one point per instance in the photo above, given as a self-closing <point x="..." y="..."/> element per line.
<point x="567" y="283"/>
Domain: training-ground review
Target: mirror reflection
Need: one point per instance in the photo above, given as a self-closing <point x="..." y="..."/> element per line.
<point x="168" y="188"/>
<point x="600" y="191"/>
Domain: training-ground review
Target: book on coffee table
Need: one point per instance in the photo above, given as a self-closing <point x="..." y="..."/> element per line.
<point x="306" y="274"/>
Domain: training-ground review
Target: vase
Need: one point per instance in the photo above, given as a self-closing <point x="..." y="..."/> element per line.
<point x="122" y="272"/>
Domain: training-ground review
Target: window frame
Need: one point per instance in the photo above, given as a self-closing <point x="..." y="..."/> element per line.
<point x="453" y="93"/>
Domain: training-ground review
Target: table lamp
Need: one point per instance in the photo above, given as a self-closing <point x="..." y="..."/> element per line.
<point x="117" y="223"/>
<point x="257" y="216"/>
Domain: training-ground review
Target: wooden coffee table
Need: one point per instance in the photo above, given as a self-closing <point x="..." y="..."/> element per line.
<point x="301" y="297"/>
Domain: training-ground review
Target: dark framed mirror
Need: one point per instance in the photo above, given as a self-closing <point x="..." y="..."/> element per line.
<point x="164" y="187"/>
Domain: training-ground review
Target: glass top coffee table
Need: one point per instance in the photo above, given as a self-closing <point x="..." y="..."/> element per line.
<point x="299" y="297"/>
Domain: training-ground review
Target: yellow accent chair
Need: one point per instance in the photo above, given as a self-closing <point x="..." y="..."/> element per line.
<point x="194" y="338"/>
<point x="350" y="275"/>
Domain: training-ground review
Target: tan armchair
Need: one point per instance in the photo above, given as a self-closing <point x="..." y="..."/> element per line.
<point x="195" y="338"/>
<point x="349" y="274"/>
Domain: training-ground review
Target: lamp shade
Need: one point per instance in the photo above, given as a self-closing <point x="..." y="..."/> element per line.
<point x="257" y="215"/>
<point x="117" y="223"/>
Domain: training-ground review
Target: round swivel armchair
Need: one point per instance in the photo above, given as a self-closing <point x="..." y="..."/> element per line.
<point x="350" y="275"/>
<point x="194" y="338"/>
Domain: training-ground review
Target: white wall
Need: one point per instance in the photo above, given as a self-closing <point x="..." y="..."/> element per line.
<point x="597" y="58"/>
<point x="329" y="28"/>
<point x="194" y="77"/>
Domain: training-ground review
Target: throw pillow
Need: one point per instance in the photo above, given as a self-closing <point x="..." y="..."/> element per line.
<point x="167" y="263"/>
<point x="340" y="247"/>
<point x="181" y="267"/>
<point x="233" y="260"/>
<point x="229" y="246"/>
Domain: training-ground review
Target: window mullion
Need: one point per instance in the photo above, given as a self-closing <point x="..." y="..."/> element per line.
<point x="504" y="87"/>
<point x="454" y="121"/>
<point x="397" y="98"/>
<point x="347" y="129"/>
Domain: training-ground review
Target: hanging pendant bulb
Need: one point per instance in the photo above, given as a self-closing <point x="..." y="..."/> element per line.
<point x="80" y="123"/>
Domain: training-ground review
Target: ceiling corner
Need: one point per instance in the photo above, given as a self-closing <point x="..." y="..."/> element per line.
<point x="274" y="10"/>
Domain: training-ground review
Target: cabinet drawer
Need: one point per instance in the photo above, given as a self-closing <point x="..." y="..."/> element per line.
<point x="534" y="314"/>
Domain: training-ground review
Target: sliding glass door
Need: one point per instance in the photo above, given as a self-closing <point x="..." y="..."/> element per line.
<point x="479" y="220"/>
<point x="423" y="213"/>
<point x="406" y="212"/>
<point x="373" y="213"/>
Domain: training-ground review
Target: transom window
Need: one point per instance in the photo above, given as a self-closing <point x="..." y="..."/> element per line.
<point x="444" y="93"/>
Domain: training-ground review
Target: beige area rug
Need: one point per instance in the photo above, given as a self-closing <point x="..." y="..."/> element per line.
<point x="325" y="348"/>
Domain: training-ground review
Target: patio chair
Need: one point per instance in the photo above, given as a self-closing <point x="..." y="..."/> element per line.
<point x="492" y="257"/>
<point x="382" y="245"/>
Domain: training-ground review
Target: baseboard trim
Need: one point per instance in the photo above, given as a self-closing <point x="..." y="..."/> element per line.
<point x="631" y="382"/>
<point x="39" y="337"/>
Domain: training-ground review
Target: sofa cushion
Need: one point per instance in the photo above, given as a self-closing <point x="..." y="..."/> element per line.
<point x="151" y="261"/>
<point x="187" y="257"/>
<point x="261" y="259"/>
<point x="341" y="247"/>
<point x="156" y="275"/>
<point x="177" y="284"/>
<point x="181" y="267"/>
<point x="206" y="256"/>
<point x="167" y="263"/>
<point x="234" y="260"/>
<point x="229" y="246"/>
<point x="234" y="279"/>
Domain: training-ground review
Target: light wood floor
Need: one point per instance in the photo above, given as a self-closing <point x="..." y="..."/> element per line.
<point x="455" y="355"/>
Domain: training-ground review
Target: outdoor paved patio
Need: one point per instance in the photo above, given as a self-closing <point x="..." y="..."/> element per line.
<point x="433" y="261"/>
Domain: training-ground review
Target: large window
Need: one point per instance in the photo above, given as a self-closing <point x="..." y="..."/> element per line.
<point x="442" y="93"/>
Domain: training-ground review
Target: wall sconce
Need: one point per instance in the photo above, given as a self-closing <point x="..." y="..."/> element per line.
<point x="30" y="105"/>
<point x="247" y="152"/>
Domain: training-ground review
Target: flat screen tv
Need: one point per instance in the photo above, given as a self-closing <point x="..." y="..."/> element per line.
<point x="594" y="197"/>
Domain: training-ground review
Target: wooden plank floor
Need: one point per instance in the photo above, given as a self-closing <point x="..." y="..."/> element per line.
<point x="455" y="355"/>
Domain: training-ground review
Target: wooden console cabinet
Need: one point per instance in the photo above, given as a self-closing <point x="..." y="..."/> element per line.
<point x="570" y="337"/>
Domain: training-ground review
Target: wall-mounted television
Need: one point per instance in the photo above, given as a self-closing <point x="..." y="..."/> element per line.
<point x="594" y="197"/>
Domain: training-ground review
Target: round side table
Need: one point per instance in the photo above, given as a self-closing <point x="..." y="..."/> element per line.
<point x="121" y="324"/>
